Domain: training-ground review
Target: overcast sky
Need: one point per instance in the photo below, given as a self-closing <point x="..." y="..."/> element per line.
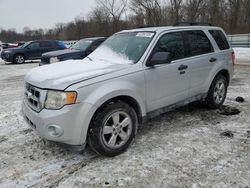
<point x="36" y="14"/>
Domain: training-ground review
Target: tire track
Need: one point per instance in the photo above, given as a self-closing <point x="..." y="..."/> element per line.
<point x="54" y="180"/>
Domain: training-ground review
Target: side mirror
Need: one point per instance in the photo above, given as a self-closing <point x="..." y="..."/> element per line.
<point x="159" y="58"/>
<point x="28" y="48"/>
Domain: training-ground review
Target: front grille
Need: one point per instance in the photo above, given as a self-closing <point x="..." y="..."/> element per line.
<point x="34" y="97"/>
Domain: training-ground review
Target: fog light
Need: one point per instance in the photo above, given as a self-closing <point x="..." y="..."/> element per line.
<point x="55" y="130"/>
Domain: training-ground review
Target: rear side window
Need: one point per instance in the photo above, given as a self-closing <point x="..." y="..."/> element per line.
<point x="220" y="39"/>
<point x="45" y="44"/>
<point x="198" y="43"/>
<point x="172" y="43"/>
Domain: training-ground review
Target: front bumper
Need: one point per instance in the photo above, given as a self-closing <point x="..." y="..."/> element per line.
<point x="45" y="60"/>
<point x="6" y="57"/>
<point x="69" y="119"/>
<point x="43" y="63"/>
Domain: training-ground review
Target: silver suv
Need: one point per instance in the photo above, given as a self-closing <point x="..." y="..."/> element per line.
<point x="134" y="75"/>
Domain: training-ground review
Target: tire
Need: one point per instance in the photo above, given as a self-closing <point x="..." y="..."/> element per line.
<point x="112" y="129"/>
<point x="19" y="59"/>
<point x="217" y="92"/>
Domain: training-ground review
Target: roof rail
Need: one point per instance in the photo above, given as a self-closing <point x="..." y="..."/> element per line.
<point x="192" y="24"/>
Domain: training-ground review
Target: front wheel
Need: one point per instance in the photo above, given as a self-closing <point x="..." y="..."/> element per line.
<point x="112" y="129"/>
<point x="19" y="59"/>
<point x="217" y="92"/>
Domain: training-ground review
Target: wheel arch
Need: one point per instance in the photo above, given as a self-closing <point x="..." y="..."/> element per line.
<point x="19" y="53"/>
<point x="223" y="72"/>
<point x="127" y="98"/>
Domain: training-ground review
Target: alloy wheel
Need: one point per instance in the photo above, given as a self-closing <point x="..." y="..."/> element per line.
<point x="219" y="91"/>
<point x="117" y="129"/>
<point x="19" y="59"/>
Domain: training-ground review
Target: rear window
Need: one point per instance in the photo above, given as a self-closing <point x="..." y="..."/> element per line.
<point x="220" y="39"/>
<point x="198" y="43"/>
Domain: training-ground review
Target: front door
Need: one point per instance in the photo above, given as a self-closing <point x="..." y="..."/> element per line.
<point x="33" y="50"/>
<point x="168" y="83"/>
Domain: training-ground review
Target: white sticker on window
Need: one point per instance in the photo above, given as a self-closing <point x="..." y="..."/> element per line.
<point x="145" y="34"/>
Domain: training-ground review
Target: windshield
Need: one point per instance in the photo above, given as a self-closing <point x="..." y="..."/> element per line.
<point x="25" y="44"/>
<point x="81" y="44"/>
<point x="123" y="47"/>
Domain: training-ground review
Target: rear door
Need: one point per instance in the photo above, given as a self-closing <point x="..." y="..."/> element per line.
<point x="223" y="52"/>
<point x="201" y="59"/>
<point x="168" y="83"/>
<point x="46" y="46"/>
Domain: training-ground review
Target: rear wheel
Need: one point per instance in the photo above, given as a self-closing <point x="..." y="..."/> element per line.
<point x="112" y="129"/>
<point x="217" y="92"/>
<point x="19" y="59"/>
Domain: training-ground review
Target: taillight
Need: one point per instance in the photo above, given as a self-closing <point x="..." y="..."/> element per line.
<point x="233" y="57"/>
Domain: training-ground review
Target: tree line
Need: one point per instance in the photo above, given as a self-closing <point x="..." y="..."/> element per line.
<point x="110" y="16"/>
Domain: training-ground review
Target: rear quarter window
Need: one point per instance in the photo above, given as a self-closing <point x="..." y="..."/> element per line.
<point x="198" y="43"/>
<point x="60" y="44"/>
<point x="220" y="39"/>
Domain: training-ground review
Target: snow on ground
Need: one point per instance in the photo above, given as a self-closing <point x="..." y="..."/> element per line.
<point x="182" y="148"/>
<point x="242" y="55"/>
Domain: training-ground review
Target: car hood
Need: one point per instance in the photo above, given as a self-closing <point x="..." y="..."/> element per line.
<point x="14" y="49"/>
<point x="60" y="75"/>
<point x="61" y="52"/>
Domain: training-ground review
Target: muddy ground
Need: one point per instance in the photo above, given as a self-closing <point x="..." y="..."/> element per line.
<point x="182" y="148"/>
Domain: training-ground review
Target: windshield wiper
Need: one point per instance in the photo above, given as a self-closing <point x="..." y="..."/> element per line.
<point x="89" y="58"/>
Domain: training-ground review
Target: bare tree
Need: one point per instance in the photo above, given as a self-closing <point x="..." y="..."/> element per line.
<point x="110" y="16"/>
<point x="194" y="9"/>
<point x="100" y="21"/>
<point x="245" y="15"/>
<point x="176" y="10"/>
<point x="151" y="9"/>
<point x="115" y="9"/>
<point x="234" y="6"/>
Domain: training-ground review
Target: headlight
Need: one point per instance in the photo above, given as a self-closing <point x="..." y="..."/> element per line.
<point x="57" y="99"/>
<point x="54" y="60"/>
<point x="6" y="51"/>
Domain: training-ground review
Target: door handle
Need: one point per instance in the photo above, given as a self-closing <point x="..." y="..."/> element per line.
<point x="182" y="67"/>
<point x="212" y="60"/>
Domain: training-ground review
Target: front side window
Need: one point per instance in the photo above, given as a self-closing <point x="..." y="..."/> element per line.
<point x="198" y="43"/>
<point x="26" y="44"/>
<point x="34" y="45"/>
<point x="123" y="47"/>
<point x="172" y="43"/>
<point x="220" y="39"/>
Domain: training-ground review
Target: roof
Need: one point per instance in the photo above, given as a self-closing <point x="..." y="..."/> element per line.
<point x="93" y="38"/>
<point x="164" y="28"/>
